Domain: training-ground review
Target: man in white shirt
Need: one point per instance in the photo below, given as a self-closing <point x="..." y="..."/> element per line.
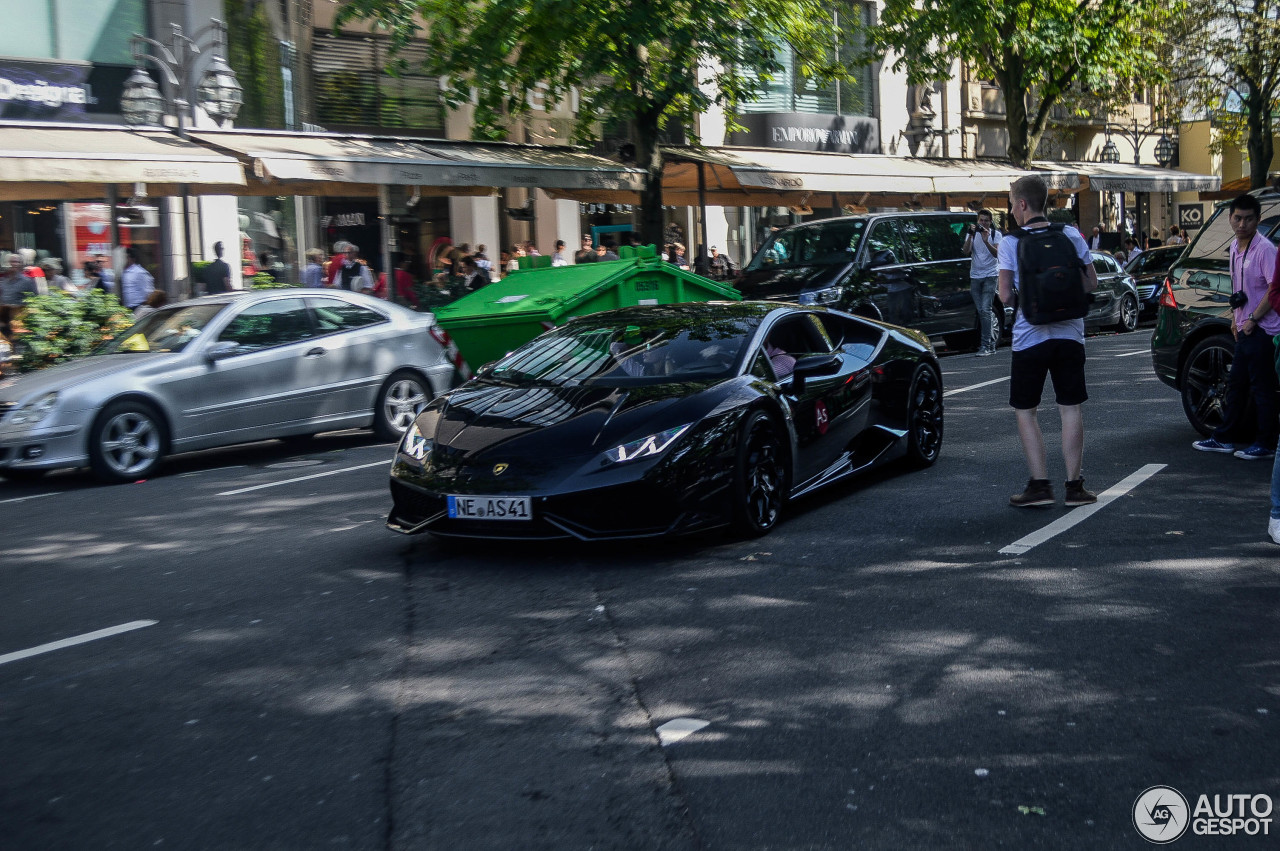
<point x="1054" y="349"/>
<point x="982" y="243"/>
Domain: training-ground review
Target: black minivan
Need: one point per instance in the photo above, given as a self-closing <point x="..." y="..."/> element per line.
<point x="904" y="268"/>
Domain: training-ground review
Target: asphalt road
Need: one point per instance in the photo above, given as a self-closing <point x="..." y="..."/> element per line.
<point x="876" y="673"/>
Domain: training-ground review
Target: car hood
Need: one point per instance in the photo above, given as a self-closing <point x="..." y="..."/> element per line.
<point x="482" y="418"/>
<point x="769" y="283"/>
<point x="80" y="371"/>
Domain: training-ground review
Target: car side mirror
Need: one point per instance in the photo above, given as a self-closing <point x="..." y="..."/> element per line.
<point x="814" y="365"/>
<point x="222" y="350"/>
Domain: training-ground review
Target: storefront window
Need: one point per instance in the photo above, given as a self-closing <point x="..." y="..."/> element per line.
<point x="80" y="30"/>
<point x="267" y="238"/>
<point x="790" y="92"/>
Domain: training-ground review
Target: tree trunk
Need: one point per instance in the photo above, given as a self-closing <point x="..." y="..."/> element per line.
<point x="649" y="157"/>
<point x="1261" y="146"/>
<point x="1015" y="113"/>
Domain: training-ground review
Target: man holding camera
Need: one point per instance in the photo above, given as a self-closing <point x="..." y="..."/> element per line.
<point x="1254" y="323"/>
<point x="983" y="244"/>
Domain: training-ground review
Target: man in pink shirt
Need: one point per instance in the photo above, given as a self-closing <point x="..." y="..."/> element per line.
<point x="1254" y="323"/>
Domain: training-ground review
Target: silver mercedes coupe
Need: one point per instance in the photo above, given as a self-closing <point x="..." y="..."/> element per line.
<point x="222" y="370"/>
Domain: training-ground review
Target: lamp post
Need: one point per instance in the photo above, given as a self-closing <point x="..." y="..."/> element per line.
<point x="1136" y="133"/>
<point x="190" y="77"/>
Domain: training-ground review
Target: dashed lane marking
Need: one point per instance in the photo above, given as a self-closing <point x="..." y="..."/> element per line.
<point x="24" y="498"/>
<point x="975" y="386"/>
<point x="1131" y="354"/>
<point x="1083" y="513"/>
<point x="74" y="640"/>
<point x="382" y="463"/>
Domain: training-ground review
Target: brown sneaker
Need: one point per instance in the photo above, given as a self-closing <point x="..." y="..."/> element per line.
<point x="1077" y="495"/>
<point x="1038" y="492"/>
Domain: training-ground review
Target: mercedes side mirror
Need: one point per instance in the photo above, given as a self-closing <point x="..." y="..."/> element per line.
<point x="221" y="350"/>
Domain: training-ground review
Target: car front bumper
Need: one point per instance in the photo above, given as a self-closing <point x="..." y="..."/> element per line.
<point x="43" y="447"/>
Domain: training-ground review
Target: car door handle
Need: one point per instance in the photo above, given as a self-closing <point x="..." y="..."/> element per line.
<point x="318" y="351"/>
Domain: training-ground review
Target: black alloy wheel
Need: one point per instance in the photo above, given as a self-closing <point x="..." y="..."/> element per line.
<point x="924" y="417"/>
<point x="760" y="481"/>
<point x="126" y="442"/>
<point x="400" y="401"/>
<point x="1204" y="382"/>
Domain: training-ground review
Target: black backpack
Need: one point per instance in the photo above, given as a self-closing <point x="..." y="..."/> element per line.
<point x="1050" y="283"/>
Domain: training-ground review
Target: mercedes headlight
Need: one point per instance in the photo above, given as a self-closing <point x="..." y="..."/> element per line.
<point x="35" y="411"/>
<point x="646" y="447"/>
<point x="827" y="295"/>
<point x="415" y="445"/>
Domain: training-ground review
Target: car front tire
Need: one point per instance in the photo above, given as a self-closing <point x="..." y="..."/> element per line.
<point x="126" y="442"/>
<point x="760" y="480"/>
<point x="400" y="401"/>
<point x="924" y="417"/>
<point x="1204" y="382"/>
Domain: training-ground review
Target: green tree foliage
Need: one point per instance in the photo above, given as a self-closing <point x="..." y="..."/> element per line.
<point x="254" y="54"/>
<point x="650" y="63"/>
<point x="1038" y="51"/>
<point x="60" y="326"/>
<point x="1230" y="50"/>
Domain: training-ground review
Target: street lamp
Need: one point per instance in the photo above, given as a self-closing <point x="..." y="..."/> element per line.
<point x="182" y="64"/>
<point x="1164" y="151"/>
<point x="190" y="78"/>
<point x="1110" y="153"/>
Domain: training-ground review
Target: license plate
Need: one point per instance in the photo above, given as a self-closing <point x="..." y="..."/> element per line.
<point x="490" y="507"/>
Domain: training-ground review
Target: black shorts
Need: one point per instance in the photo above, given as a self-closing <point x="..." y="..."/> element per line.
<point x="1062" y="359"/>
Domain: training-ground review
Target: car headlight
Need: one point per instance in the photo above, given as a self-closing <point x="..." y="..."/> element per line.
<point x="415" y="445"/>
<point x="827" y="295"/>
<point x="33" y="412"/>
<point x="646" y="447"/>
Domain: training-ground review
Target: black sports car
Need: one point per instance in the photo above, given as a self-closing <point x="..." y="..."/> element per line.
<point x="658" y="420"/>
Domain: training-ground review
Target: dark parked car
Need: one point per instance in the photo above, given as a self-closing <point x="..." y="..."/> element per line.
<point x="904" y="268"/>
<point x="1149" y="270"/>
<point x="1192" y="347"/>
<point x="1115" y="301"/>
<point x="658" y="420"/>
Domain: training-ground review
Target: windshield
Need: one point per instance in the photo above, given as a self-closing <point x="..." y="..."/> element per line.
<point x="653" y="352"/>
<point x="821" y="243"/>
<point x="170" y="330"/>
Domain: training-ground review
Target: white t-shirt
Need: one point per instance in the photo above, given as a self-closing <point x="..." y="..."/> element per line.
<point x="1026" y="335"/>
<point x="984" y="262"/>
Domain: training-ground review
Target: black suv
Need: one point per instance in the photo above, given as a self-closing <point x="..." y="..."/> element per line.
<point x="1192" y="346"/>
<point x="904" y="268"/>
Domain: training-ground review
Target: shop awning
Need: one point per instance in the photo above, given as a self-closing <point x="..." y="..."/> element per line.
<point x="332" y="164"/>
<point x="61" y="162"/>
<point x="1119" y="177"/>
<point x="763" y="177"/>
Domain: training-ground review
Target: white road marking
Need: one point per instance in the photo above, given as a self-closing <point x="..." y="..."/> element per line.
<point x="383" y="463"/>
<point x="1131" y="354"/>
<point x="24" y="498"/>
<point x="74" y="640"/>
<point x="1082" y="513"/>
<point x="679" y="728"/>
<point x="975" y="386"/>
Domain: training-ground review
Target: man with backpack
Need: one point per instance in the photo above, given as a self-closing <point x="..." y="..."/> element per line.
<point x="1050" y="269"/>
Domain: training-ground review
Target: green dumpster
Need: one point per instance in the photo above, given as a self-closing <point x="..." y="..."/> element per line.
<point x="504" y="315"/>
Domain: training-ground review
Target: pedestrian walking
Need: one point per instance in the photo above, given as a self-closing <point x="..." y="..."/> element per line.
<point x="1254" y="324"/>
<point x="217" y="275"/>
<point x="586" y="254"/>
<point x="1175" y="236"/>
<point x="136" y="282"/>
<point x="313" y="272"/>
<point x="1054" y="349"/>
<point x="352" y="274"/>
<point x="982" y="244"/>
<point x="15" y="286"/>
<point x="557" y="257"/>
